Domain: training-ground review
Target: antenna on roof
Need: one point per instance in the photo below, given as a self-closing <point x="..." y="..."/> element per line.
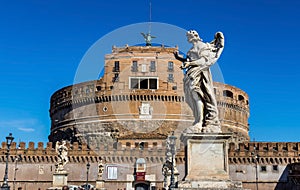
<point x="148" y="36"/>
<point x="150" y="11"/>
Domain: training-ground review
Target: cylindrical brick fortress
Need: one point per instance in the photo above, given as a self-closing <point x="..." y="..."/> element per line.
<point x="140" y="95"/>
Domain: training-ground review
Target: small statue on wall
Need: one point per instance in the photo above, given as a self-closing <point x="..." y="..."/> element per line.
<point x="62" y="151"/>
<point x="100" y="169"/>
<point x="198" y="84"/>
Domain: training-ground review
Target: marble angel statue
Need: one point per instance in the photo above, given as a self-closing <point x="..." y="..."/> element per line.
<point x="198" y="84"/>
<point x="62" y="151"/>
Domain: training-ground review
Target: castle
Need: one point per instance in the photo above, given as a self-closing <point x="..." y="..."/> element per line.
<point x="123" y="120"/>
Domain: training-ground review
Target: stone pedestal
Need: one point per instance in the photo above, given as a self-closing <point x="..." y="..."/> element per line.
<point x="207" y="161"/>
<point x="60" y="179"/>
<point x="100" y="185"/>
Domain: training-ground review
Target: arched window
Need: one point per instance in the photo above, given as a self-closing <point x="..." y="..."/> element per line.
<point x="228" y="93"/>
<point x="241" y="98"/>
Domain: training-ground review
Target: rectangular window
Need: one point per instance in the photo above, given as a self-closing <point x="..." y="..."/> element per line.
<point x="143" y="83"/>
<point x="112" y="172"/>
<point x="263" y="168"/>
<point x="134" y="67"/>
<point x="152" y="83"/>
<point x="116" y="67"/>
<point x="134" y="83"/>
<point x="170" y="78"/>
<point x="152" y="66"/>
<point x="275" y="168"/>
<point x="170" y="66"/>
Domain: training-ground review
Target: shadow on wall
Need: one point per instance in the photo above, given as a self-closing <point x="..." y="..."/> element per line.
<point x="290" y="178"/>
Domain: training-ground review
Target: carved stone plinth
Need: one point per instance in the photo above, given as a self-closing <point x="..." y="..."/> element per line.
<point x="60" y="179"/>
<point x="100" y="185"/>
<point x="207" y="162"/>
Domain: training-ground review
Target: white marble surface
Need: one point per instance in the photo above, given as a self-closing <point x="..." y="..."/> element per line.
<point x="207" y="161"/>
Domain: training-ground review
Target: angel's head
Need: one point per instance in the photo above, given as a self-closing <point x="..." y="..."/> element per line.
<point x="192" y="36"/>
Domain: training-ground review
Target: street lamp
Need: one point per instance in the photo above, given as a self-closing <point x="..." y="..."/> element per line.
<point x="87" y="175"/>
<point x="17" y="158"/>
<point x="255" y="157"/>
<point x="9" y="140"/>
<point x="172" y="146"/>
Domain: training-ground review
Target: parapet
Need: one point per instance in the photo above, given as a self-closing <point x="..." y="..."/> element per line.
<point x="82" y="153"/>
<point x="264" y="152"/>
<point x="144" y="49"/>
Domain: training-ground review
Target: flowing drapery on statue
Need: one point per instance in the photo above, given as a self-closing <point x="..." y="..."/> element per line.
<point x="198" y="84"/>
<point x="62" y="152"/>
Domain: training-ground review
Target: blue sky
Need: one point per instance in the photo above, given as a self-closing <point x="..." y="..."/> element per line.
<point x="42" y="43"/>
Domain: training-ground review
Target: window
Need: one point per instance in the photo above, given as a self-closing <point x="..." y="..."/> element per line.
<point x="241" y="98"/>
<point x="228" y="93"/>
<point x="152" y="83"/>
<point x="152" y="66"/>
<point x="275" y="168"/>
<point x="116" y="77"/>
<point x="143" y="83"/>
<point x="134" y="83"/>
<point x="116" y="67"/>
<point x="170" y="66"/>
<point x="170" y="78"/>
<point x="134" y="67"/>
<point x="112" y="172"/>
<point x="263" y="168"/>
<point x="142" y="146"/>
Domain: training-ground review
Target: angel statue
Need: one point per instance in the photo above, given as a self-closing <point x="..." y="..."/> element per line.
<point x="62" y="151"/>
<point x="198" y="84"/>
<point x="148" y="38"/>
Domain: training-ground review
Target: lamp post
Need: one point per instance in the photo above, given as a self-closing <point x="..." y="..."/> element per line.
<point x="172" y="146"/>
<point x="5" y="185"/>
<point x="87" y="175"/>
<point x="255" y="157"/>
<point x="17" y="158"/>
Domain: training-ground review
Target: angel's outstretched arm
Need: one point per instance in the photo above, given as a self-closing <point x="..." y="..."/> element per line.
<point x="179" y="58"/>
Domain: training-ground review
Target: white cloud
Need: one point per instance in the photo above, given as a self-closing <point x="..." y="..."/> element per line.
<point x="25" y="125"/>
<point x="26" y="129"/>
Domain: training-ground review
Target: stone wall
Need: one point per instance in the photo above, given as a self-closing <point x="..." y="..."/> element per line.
<point x="38" y="164"/>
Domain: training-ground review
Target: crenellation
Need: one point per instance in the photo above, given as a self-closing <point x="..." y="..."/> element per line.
<point x="3" y="146"/>
<point x="232" y="147"/>
<point x="31" y="146"/>
<point x="40" y="145"/>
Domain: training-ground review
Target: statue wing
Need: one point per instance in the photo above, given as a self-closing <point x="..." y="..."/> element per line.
<point x="218" y="44"/>
<point x="144" y="35"/>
